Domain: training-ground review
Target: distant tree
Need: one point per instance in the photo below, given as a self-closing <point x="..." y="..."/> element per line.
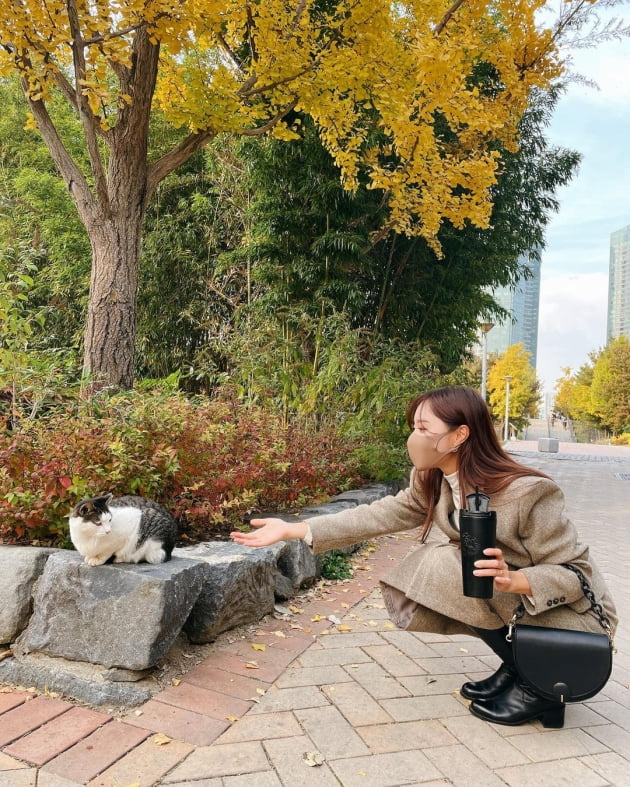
<point x="611" y="385"/>
<point x="524" y="387"/>
<point x="563" y="390"/>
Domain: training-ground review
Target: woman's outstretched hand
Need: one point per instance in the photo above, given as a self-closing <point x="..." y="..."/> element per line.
<point x="268" y="532"/>
<point x="505" y="580"/>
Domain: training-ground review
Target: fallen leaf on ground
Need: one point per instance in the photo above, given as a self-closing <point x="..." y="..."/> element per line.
<point x="161" y="739"/>
<point x="258" y="646"/>
<point x="313" y="758"/>
<point x="232" y="718"/>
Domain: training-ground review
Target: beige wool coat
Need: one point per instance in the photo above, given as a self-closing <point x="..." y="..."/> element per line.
<point x="424" y="592"/>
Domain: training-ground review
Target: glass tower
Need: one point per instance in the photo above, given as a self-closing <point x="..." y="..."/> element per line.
<point x="522" y="303"/>
<point x="619" y="285"/>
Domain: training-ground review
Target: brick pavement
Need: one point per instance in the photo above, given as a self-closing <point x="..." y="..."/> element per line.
<point x="379" y="707"/>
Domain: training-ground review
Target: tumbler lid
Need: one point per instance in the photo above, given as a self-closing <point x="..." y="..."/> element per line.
<point x="477" y="501"/>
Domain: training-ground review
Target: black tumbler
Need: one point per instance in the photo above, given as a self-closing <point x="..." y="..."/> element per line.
<point x="478" y="531"/>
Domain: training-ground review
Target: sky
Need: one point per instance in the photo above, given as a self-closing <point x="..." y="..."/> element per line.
<point x="574" y="270"/>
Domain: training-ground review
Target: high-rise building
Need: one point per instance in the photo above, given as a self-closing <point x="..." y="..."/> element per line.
<point x="522" y="304"/>
<point x="619" y="285"/>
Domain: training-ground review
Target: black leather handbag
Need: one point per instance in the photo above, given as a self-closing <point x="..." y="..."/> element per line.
<point x="562" y="664"/>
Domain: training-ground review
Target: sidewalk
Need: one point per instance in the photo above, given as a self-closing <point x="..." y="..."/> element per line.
<point x="376" y="706"/>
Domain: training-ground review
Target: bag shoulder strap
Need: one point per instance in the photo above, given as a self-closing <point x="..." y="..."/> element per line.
<point x="596" y="607"/>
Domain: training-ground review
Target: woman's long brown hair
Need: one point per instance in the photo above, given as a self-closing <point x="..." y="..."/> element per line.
<point x="483" y="464"/>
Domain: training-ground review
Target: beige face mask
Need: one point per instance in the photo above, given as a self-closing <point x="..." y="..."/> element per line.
<point x="424" y="449"/>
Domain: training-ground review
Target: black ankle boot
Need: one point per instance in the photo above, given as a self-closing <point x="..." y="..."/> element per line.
<point x="496" y="684"/>
<point x="503" y="678"/>
<point x="518" y="705"/>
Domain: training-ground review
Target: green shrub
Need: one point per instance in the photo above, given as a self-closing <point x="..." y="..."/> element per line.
<point x="208" y="461"/>
<point x="336" y="565"/>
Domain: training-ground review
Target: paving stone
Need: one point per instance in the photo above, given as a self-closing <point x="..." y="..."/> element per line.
<point x="145" y="765"/>
<point x="203" y="701"/>
<point x="312" y="676"/>
<point x="432" y="707"/>
<point x="351" y="640"/>
<point x="57" y="735"/>
<point x="483" y="740"/>
<point x="612" y="736"/>
<point x="423" y="685"/>
<point x="461" y="767"/>
<point x="458" y="666"/>
<point x="356" y="704"/>
<point x="9" y="763"/>
<point x="261" y="779"/>
<point x="207" y="676"/>
<point x="411" y="645"/>
<point x="553" y="745"/>
<point x="185" y="725"/>
<point x="381" y="738"/>
<point x="333" y="656"/>
<point x="287" y="757"/>
<point x="614" y="712"/>
<point x="210" y="762"/>
<point x="13" y="699"/>
<point x="331" y="733"/>
<point x="52" y="780"/>
<point x="290" y="699"/>
<point x="29" y="716"/>
<point x="263" y="726"/>
<point x="392" y="660"/>
<point x="609" y="766"/>
<point x="376" y="681"/>
<point x="566" y="773"/>
<point x="204" y="783"/>
<point x="97" y="752"/>
<point x="23" y="778"/>
<point x="384" y="770"/>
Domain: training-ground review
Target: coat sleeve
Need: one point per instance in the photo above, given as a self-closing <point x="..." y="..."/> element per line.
<point x="390" y="514"/>
<point x="551" y="539"/>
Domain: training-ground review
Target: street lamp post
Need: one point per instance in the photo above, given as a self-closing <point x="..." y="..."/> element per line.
<point x="506" y="427"/>
<point x="485" y="327"/>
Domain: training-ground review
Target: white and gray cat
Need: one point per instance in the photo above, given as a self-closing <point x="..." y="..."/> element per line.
<point x="130" y="529"/>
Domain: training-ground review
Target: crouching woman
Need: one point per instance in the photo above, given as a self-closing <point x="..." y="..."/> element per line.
<point x="454" y="451"/>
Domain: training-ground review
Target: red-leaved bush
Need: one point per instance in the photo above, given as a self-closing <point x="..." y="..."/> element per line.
<point x="207" y="461"/>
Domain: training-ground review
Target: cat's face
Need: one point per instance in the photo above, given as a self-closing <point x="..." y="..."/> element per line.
<point x="95" y="511"/>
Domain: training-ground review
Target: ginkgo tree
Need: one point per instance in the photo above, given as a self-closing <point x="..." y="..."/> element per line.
<point x="440" y="80"/>
<point x="514" y="366"/>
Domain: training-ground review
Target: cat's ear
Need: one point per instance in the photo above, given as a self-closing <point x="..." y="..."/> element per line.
<point x="104" y="498"/>
<point x="86" y="510"/>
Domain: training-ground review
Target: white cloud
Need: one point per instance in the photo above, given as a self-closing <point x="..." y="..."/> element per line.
<point x="572" y="323"/>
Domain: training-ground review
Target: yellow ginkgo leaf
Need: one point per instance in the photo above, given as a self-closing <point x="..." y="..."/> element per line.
<point x="258" y="646"/>
<point x="232" y="718"/>
<point x="160" y="739"/>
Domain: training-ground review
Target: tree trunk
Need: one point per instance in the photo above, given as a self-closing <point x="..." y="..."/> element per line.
<point x="110" y="331"/>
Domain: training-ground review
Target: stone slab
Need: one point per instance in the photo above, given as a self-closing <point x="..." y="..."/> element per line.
<point x="119" y="615"/>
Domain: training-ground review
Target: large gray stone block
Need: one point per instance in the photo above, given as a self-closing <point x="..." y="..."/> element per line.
<point x="20" y="567"/>
<point x="118" y="615"/>
<point x="238" y="588"/>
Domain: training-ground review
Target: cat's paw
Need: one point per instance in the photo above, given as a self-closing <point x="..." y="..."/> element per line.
<point x="95" y="561"/>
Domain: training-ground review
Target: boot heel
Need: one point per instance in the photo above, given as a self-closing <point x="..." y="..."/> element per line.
<point x="554" y="717"/>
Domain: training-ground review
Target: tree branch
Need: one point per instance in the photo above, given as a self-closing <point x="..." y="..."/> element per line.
<point x="257" y="132"/>
<point x="174" y="158"/>
<point x="447" y="16"/>
<point x="73" y="177"/>
<point x="88" y="120"/>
